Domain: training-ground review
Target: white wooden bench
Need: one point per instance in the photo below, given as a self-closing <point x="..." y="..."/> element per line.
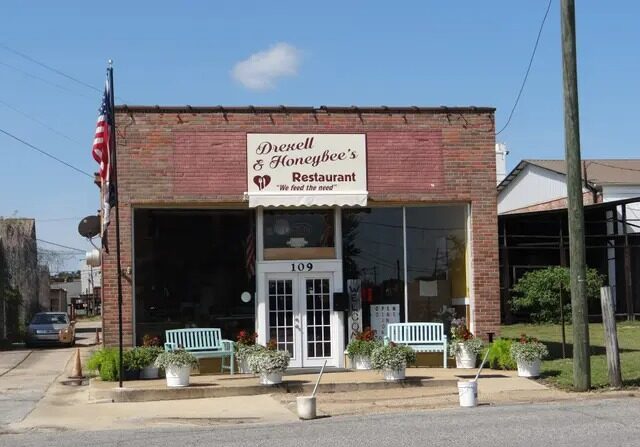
<point x="202" y="343"/>
<point x="421" y="337"/>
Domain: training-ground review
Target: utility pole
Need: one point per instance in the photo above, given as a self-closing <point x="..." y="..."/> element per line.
<point x="577" y="260"/>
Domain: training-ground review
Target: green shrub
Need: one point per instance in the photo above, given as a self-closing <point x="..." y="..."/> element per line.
<point x="500" y="355"/>
<point x="528" y="350"/>
<point x="245" y="351"/>
<point x="140" y="357"/>
<point x="538" y="293"/>
<point x="268" y="361"/>
<point x="392" y="357"/>
<point x="106" y="363"/>
<point x="177" y="358"/>
<point x="362" y="347"/>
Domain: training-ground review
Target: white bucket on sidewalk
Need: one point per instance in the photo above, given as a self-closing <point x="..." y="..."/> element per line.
<point x="468" y="393"/>
<point x="306" y="407"/>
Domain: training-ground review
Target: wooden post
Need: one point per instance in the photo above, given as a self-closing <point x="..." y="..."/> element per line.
<point x="610" y="337"/>
<point x="575" y="211"/>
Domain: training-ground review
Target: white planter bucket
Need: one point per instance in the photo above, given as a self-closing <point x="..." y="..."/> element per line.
<point x="243" y="366"/>
<point x="270" y="378"/>
<point x="177" y="376"/>
<point x="361" y="362"/>
<point x="529" y="369"/>
<point x="468" y="393"/>
<point x="149" y="372"/>
<point x="306" y="407"/>
<point x="465" y="359"/>
<point x="393" y="375"/>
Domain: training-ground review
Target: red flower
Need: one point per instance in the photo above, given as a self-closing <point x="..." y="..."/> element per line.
<point x="367" y="335"/>
<point x="246" y="338"/>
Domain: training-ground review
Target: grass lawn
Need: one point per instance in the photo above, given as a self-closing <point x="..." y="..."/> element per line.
<point x="559" y="371"/>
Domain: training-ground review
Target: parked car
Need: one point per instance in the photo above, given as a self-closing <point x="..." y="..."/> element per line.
<point x="51" y="328"/>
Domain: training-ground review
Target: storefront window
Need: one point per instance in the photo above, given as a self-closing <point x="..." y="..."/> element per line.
<point x="373" y="252"/>
<point x="299" y="234"/>
<point x="436" y="259"/>
<point x="191" y="269"/>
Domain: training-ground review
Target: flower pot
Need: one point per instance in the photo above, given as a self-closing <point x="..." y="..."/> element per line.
<point x="272" y="378"/>
<point x="526" y="369"/>
<point x="177" y="376"/>
<point x="361" y="362"/>
<point x="243" y="366"/>
<point x="149" y="372"/>
<point x="465" y="359"/>
<point x="393" y="375"/>
<point x="131" y="374"/>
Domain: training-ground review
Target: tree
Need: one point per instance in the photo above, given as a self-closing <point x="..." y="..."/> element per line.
<point x="538" y="293"/>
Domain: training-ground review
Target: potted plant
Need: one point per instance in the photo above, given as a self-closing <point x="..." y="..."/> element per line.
<point x="528" y="352"/>
<point x="132" y="363"/>
<point x="177" y="365"/>
<point x="360" y="348"/>
<point x="147" y="357"/>
<point x="464" y="346"/>
<point x="149" y="352"/>
<point x="269" y="363"/>
<point x="392" y="360"/>
<point x="245" y="345"/>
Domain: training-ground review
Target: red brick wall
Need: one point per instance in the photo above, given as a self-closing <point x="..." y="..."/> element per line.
<point x="199" y="159"/>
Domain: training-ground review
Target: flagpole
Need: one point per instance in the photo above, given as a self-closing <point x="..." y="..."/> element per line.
<point x="114" y="182"/>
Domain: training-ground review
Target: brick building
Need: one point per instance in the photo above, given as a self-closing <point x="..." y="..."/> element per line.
<point x="278" y="219"/>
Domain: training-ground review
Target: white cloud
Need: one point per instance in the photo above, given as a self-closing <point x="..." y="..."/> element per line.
<point x="261" y="70"/>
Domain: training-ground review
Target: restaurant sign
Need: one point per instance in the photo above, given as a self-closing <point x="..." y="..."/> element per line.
<point x="306" y="169"/>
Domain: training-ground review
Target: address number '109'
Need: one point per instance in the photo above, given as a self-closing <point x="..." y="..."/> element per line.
<point x="301" y="267"/>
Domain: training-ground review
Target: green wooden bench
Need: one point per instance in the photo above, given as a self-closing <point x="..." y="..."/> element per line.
<point x="202" y="343"/>
<point x="421" y="337"/>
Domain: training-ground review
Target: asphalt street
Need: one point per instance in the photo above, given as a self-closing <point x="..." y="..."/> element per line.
<point x="610" y="422"/>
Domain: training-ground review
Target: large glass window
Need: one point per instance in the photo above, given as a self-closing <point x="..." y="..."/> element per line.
<point x="436" y="259"/>
<point x="191" y="269"/>
<point x="297" y="234"/>
<point x="373" y="251"/>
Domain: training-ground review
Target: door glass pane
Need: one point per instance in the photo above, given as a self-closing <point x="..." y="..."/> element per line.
<point x="281" y="313"/>
<point x="318" y="318"/>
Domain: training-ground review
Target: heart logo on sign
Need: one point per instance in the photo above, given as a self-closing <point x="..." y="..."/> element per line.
<point x="262" y="181"/>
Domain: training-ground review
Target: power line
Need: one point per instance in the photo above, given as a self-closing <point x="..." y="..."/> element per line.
<point x="611" y="166"/>
<point x="48" y="67"/>
<point x="60" y="245"/>
<point x="57" y="219"/>
<point x="526" y="75"/>
<point x="26" y="73"/>
<point x="46" y="153"/>
<point x="36" y="120"/>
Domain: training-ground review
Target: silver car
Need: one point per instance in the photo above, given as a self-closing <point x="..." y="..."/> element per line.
<point x="51" y="328"/>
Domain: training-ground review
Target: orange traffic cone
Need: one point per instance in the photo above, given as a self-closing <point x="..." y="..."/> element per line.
<point x="76" y="373"/>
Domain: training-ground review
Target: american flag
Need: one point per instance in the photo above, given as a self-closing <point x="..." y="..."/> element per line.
<point x="101" y="153"/>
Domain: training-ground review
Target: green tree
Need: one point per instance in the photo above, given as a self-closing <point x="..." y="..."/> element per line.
<point x="538" y="293"/>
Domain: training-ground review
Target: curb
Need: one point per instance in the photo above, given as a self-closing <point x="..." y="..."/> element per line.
<point x="212" y="391"/>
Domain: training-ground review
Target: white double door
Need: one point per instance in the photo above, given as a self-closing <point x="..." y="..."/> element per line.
<point x="300" y="317"/>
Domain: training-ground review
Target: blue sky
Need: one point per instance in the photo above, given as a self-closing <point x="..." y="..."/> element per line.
<point x="339" y="53"/>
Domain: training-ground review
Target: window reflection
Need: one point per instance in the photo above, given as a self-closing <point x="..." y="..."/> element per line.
<point x="436" y="257"/>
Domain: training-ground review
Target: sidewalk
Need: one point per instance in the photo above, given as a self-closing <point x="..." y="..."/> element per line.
<point x="206" y="386"/>
<point x="360" y="393"/>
